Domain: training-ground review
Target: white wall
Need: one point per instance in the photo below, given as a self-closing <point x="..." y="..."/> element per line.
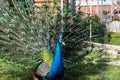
<point x="1" y="1"/>
<point x="93" y="2"/>
<point x="114" y="26"/>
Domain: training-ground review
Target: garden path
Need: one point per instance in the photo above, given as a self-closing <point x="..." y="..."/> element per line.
<point x="115" y="63"/>
<point x="113" y="50"/>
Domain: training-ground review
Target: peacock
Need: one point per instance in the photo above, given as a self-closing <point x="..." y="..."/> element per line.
<point x="51" y="68"/>
<point x="30" y="37"/>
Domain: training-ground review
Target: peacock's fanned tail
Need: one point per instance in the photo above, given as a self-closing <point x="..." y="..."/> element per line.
<point x="24" y="32"/>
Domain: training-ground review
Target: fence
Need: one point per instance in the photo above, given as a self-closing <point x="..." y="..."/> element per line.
<point x="114" y="26"/>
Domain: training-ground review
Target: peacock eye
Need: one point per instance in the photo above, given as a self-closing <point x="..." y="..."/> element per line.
<point x="9" y="30"/>
<point x="24" y="39"/>
<point x="12" y="26"/>
<point x="1" y="10"/>
<point x="28" y="46"/>
<point x="4" y="49"/>
<point x="13" y="21"/>
<point x="23" y="13"/>
<point x="19" y="49"/>
<point x="24" y="27"/>
<point x="26" y="20"/>
<point x="32" y="28"/>
<point x="10" y="36"/>
<point x="6" y="15"/>
<point x="12" y="43"/>
<point x="31" y="16"/>
<point x="32" y="39"/>
<point x="2" y="20"/>
<point x="32" y="32"/>
<point x="36" y="44"/>
<point x="23" y="33"/>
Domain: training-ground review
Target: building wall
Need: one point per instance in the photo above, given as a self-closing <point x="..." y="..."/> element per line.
<point x="49" y="2"/>
<point x="2" y="1"/>
<point x="108" y="8"/>
<point x="93" y="2"/>
<point x="86" y="9"/>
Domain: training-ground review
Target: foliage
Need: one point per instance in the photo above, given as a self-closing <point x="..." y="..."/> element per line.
<point x="98" y="30"/>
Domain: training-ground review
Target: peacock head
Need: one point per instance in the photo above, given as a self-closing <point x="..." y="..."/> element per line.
<point x="61" y="40"/>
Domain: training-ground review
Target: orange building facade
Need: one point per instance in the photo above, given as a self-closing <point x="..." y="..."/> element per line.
<point x="41" y="2"/>
<point x="86" y="10"/>
<point x="103" y="11"/>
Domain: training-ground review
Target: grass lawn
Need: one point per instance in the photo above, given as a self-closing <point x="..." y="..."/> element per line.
<point x="114" y="38"/>
<point x="90" y="71"/>
<point x="12" y="71"/>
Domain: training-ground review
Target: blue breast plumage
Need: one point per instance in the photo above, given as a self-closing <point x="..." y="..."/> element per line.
<point x="57" y="68"/>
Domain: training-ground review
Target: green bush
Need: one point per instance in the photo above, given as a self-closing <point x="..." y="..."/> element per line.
<point x="98" y="29"/>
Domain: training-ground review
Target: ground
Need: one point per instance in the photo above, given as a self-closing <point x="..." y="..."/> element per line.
<point x="88" y="70"/>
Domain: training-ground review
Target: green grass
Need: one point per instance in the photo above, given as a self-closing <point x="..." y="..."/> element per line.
<point x="112" y="73"/>
<point x="114" y="38"/>
<point x="12" y="71"/>
<point x="90" y="71"/>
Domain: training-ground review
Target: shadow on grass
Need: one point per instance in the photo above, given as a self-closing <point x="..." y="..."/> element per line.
<point x="12" y="71"/>
<point x="87" y="71"/>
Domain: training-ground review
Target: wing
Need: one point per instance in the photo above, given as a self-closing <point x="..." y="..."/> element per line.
<point x="47" y="56"/>
<point x="42" y="69"/>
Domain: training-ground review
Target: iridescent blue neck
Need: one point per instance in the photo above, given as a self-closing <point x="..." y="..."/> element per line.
<point x="57" y="54"/>
<point x="57" y="64"/>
